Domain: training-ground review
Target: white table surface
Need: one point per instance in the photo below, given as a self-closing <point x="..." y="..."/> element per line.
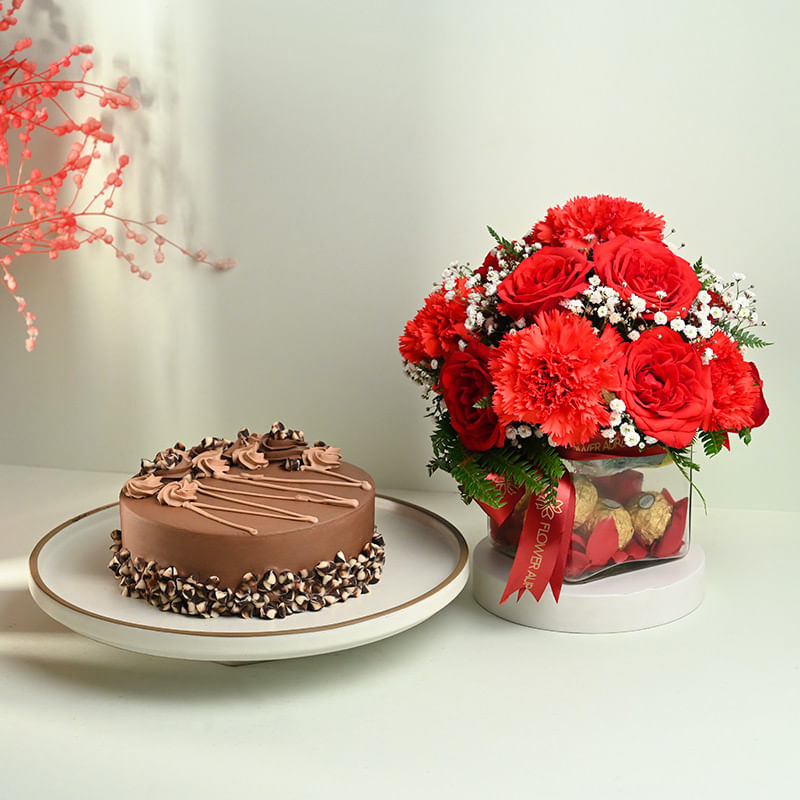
<point x="464" y="705"/>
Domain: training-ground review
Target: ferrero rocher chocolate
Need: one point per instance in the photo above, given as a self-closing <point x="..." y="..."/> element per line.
<point x="606" y="508"/>
<point x="650" y="513"/>
<point x="585" y="499"/>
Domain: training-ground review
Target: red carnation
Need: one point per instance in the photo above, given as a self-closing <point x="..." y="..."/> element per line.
<point x="732" y="382"/>
<point x="436" y="329"/>
<point x="665" y="386"/>
<point x="552" y="374"/>
<point x="541" y="281"/>
<point x="645" y="269"/>
<point x="585" y="221"/>
<point x="466" y="387"/>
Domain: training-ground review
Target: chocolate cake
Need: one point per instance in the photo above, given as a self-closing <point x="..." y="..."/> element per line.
<point x="263" y="526"/>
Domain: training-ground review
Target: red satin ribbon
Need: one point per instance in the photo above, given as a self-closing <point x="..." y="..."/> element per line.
<point x="544" y="542"/>
<point x="500" y="515"/>
<point x="595" y="451"/>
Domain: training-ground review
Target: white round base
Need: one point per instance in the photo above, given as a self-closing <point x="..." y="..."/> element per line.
<point x="628" y="601"/>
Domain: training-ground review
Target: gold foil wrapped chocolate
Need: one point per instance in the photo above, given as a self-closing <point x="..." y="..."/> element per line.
<point x="650" y="513"/>
<point x="585" y="499"/>
<point x="605" y="508"/>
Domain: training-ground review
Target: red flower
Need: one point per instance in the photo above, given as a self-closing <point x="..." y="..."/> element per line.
<point x="541" y="281"/>
<point x="732" y="382"/>
<point x="760" y="412"/>
<point x="585" y="221"/>
<point x="490" y="262"/>
<point x="665" y="386"/>
<point x="552" y="374"/>
<point x="632" y="267"/>
<point x="466" y="387"/>
<point x="435" y="330"/>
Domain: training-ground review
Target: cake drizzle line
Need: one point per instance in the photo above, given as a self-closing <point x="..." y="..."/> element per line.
<point x="302" y="497"/>
<point x="278" y="513"/>
<point x="193" y="506"/>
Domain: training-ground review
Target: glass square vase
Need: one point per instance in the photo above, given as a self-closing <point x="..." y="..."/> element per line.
<point x="630" y="511"/>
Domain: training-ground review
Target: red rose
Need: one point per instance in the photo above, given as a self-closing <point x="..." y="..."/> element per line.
<point x="665" y="386"/>
<point x="490" y="262"/>
<point x="542" y="281"/>
<point x="466" y="387"/>
<point x="760" y="412"/>
<point x="631" y="266"/>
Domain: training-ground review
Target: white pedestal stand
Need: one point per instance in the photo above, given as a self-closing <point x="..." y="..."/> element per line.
<point x="629" y="601"/>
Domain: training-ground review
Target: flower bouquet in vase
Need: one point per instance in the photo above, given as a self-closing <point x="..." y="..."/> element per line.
<point x="569" y="378"/>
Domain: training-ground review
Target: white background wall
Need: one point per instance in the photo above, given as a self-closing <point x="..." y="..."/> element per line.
<point x="344" y="153"/>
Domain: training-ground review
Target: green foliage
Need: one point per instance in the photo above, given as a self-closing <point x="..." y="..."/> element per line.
<point x="713" y="442"/>
<point x="504" y="244"/>
<point x="698" y="267"/>
<point x="501" y="241"/>
<point x="744" y="435"/>
<point x="682" y="458"/>
<point x="450" y="455"/>
<point x="496" y="236"/>
<point x="535" y="466"/>
<point x="744" y="337"/>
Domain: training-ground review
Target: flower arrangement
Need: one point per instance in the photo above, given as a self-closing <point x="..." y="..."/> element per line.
<point x="588" y="334"/>
<point x="55" y="212"/>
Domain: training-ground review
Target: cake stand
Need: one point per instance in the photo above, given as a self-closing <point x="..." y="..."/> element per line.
<point x="426" y="568"/>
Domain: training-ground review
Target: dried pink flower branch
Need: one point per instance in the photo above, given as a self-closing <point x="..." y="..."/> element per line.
<point x="50" y="213"/>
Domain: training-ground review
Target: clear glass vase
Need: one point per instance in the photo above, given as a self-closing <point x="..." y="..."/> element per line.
<point x="629" y="511"/>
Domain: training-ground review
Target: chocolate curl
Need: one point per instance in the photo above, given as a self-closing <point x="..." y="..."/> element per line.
<point x="544" y="545"/>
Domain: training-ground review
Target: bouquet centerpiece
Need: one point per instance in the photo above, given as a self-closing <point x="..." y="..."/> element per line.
<point x="568" y="361"/>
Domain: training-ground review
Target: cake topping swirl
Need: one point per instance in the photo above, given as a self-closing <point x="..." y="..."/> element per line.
<point x="324" y="457"/>
<point x="177" y="493"/>
<point x="209" y="463"/>
<point x="140" y="486"/>
<point x="248" y="455"/>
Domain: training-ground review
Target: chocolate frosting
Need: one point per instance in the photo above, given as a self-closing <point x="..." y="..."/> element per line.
<point x="140" y="486"/>
<point x="247" y="455"/>
<point x="176" y="493"/>
<point x="242" y="517"/>
<point x="201" y="546"/>
<point x="323" y="457"/>
<point x="208" y="463"/>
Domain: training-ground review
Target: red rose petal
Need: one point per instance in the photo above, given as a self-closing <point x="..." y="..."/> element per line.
<point x="635" y="550"/>
<point x="620" y="487"/>
<point x="578" y="543"/>
<point x="603" y="542"/>
<point x="669" y="497"/>
<point x="619" y="557"/>
<point x="577" y="564"/>
<point x="760" y="411"/>
<point x="671" y="542"/>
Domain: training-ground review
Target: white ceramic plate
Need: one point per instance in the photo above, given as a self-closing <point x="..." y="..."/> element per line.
<point x="426" y="568"/>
